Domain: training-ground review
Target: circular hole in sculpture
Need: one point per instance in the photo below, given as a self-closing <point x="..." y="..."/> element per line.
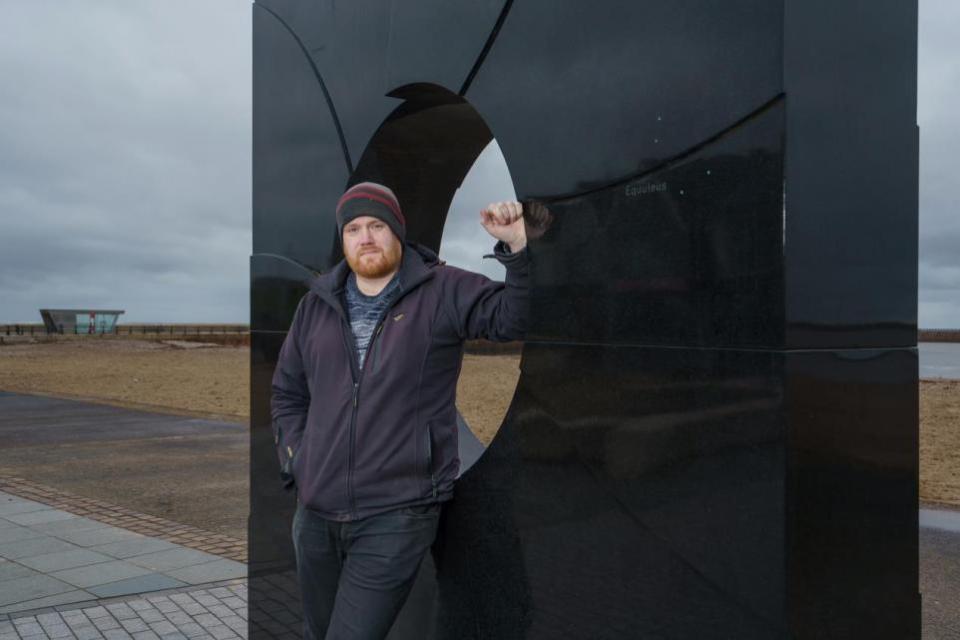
<point x="490" y="370"/>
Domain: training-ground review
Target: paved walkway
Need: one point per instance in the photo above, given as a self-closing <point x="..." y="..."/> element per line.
<point x="200" y="614"/>
<point x="53" y="557"/>
<point x="110" y="514"/>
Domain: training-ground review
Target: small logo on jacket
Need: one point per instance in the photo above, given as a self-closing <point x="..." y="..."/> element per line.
<point x="397" y="317"/>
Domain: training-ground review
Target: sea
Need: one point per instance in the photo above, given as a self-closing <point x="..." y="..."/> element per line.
<point x="940" y="360"/>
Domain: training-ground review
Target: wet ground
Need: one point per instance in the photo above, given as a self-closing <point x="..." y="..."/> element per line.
<point x="189" y="470"/>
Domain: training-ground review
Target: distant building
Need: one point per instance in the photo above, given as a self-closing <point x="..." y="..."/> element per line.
<point x="80" y="320"/>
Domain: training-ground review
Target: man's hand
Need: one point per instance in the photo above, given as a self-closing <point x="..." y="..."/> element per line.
<point x="504" y="221"/>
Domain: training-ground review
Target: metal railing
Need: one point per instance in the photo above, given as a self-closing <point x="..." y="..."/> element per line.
<point x="128" y="330"/>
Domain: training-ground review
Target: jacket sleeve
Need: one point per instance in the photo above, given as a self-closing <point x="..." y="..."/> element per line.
<point x="485" y="308"/>
<point x="290" y="398"/>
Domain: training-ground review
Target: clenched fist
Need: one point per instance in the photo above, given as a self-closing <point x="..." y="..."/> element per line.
<point x="504" y="221"/>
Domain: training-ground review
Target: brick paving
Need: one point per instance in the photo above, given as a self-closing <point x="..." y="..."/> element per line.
<point x="153" y="526"/>
<point x="210" y="613"/>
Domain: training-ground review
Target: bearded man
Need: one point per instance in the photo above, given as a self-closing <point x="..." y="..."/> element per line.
<point x="363" y="404"/>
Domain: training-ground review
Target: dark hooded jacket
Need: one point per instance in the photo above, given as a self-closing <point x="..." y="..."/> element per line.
<point x="358" y="443"/>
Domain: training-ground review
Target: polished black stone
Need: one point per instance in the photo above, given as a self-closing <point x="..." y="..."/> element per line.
<point x="691" y="253"/>
<point x="298" y="167"/>
<point x="580" y="95"/>
<point x="365" y="50"/>
<point x="714" y="434"/>
<point x="851" y="175"/>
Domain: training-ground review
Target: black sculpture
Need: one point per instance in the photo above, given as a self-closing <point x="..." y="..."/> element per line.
<point x="715" y="430"/>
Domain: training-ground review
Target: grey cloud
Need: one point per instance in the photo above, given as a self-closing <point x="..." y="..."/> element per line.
<point x="938" y="95"/>
<point x="125" y="163"/>
<point x="465" y="241"/>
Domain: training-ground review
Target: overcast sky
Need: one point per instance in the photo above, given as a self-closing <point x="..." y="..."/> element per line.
<point x="125" y="160"/>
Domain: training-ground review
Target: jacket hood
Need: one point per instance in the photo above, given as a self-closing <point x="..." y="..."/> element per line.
<point x="416" y="266"/>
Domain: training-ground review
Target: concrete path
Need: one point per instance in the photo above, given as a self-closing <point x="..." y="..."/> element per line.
<point x="52" y="557"/>
<point x="217" y="613"/>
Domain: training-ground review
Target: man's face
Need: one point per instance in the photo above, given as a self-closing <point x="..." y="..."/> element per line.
<point x="371" y="249"/>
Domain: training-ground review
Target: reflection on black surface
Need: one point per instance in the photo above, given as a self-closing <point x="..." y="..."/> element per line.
<point x="366" y="49"/>
<point x="691" y="254"/>
<point x="577" y="93"/>
<point x="670" y="461"/>
<point x="853" y="488"/>
<point x="851" y="175"/>
<point x="298" y="166"/>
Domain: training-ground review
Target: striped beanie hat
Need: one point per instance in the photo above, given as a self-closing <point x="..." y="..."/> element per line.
<point x="371" y="199"/>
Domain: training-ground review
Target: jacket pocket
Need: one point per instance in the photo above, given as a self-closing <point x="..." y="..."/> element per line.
<point x="287" y="476"/>
<point x="429" y="453"/>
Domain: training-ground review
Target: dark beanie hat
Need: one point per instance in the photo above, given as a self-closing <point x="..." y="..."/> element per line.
<point x="371" y="199"/>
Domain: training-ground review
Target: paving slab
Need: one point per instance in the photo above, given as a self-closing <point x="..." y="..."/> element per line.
<point x="4" y="523"/>
<point x="16" y="532"/>
<point x="50" y="562"/>
<point x="63" y="526"/>
<point x="100" y="574"/>
<point x="138" y="585"/>
<point x="94" y="537"/>
<point x="173" y="559"/>
<point x="130" y="548"/>
<point x="10" y="570"/>
<point x="18" y="590"/>
<point x="40" y="516"/>
<point x="217" y="570"/>
<point x="33" y="547"/>
<point x="11" y="506"/>
<point x="66" y="597"/>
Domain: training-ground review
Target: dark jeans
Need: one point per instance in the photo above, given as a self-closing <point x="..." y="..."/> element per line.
<point x="355" y="576"/>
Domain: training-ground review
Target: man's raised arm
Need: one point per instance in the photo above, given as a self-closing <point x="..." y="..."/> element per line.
<point x="484" y="308"/>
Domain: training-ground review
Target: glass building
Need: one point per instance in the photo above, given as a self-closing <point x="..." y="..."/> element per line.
<point x="80" y="321"/>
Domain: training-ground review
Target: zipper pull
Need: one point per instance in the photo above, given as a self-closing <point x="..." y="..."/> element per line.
<point x="289" y="452"/>
<point x="355" y="385"/>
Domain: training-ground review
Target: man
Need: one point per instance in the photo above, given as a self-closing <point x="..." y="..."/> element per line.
<point x="363" y="405"/>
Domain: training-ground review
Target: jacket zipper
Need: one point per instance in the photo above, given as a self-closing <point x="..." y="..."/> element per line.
<point x="356" y="400"/>
<point x="347" y="333"/>
<point x="352" y="356"/>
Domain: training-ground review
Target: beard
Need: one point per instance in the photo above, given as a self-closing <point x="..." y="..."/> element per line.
<point x="376" y="264"/>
